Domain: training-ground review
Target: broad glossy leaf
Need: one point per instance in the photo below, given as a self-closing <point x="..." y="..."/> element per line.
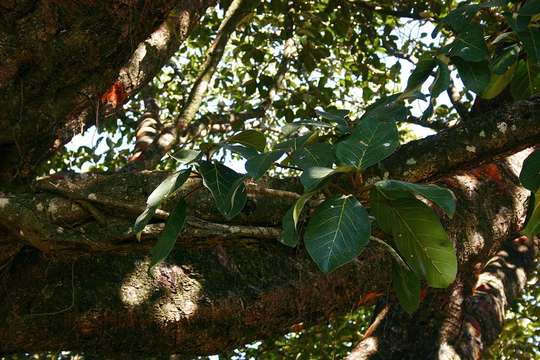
<point x="142" y="220"/>
<point x="174" y="225"/>
<point x="470" y="45"/>
<point x="250" y="138"/>
<point x="407" y="287"/>
<point x="186" y="156"/>
<point x="257" y="165"/>
<point x="460" y="18"/>
<point x="531" y="43"/>
<point x="532" y="227"/>
<point x="442" y="80"/>
<point x="498" y="83"/>
<point x="319" y="154"/>
<point x="371" y="141"/>
<point x="390" y="108"/>
<point x="526" y="81"/>
<point x="313" y="176"/>
<point x="530" y="172"/>
<point x="420" y="74"/>
<point x="299" y="206"/>
<point x="337" y="232"/>
<point x="502" y="63"/>
<point x="419" y="237"/>
<point x="167" y="187"/>
<point x="475" y="75"/>
<point x="289" y="236"/>
<point x="336" y="116"/>
<point x="442" y="197"/>
<point x="227" y="187"/>
<point x="295" y="143"/>
<point x="530" y="8"/>
<point x="244" y="151"/>
<point x="312" y="123"/>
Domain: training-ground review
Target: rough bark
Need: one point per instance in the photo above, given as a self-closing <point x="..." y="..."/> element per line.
<point x="60" y="57"/>
<point x="460" y="323"/>
<point x="73" y="276"/>
<point x="88" y="289"/>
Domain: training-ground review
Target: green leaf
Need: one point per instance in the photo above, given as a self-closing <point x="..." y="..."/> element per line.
<point x="532" y="227"/>
<point x="475" y="75"/>
<point x="390" y="108"/>
<point x="460" y="18"/>
<point x="337" y="232"/>
<point x="312" y="177"/>
<point x="531" y="42"/>
<point x="407" y="287"/>
<point x="420" y="74"/>
<point x="174" y="225"/>
<point x="227" y="187"/>
<point x="186" y="156"/>
<point x="530" y="8"/>
<point x="502" y="63"/>
<point x="530" y="172"/>
<point x="419" y="237"/>
<point x="142" y="220"/>
<point x="299" y="206"/>
<point x="498" y="83"/>
<point x="294" y="143"/>
<point x="442" y="197"/>
<point x="312" y="123"/>
<point x="250" y="138"/>
<point x="370" y="142"/>
<point x="167" y="187"/>
<point x="526" y="81"/>
<point x="244" y="151"/>
<point x="257" y="165"/>
<point x="336" y="116"/>
<point x="319" y="154"/>
<point x="442" y="80"/>
<point x="470" y="45"/>
<point x="289" y="236"/>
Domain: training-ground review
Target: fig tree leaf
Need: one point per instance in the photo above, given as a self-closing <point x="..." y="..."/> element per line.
<point x="167" y="187"/>
<point x="442" y="197"/>
<point x="289" y="236"/>
<point x="337" y="232"/>
<point x="166" y="240"/>
<point x="226" y="186"/>
<point x="142" y="220"/>
<point x="371" y="141"/>
<point x="530" y="172"/>
<point x="532" y="227"/>
<point x="407" y="287"/>
<point x="419" y="237"/>
<point x="257" y="165"/>
<point x="475" y="75"/>
<point x="251" y="138"/>
<point x="318" y="154"/>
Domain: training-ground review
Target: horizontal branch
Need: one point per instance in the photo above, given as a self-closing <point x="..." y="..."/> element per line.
<point x="246" y="286"/>
<point x="485" y="138"/>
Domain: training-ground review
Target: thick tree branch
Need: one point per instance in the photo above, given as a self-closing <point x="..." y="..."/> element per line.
<point x="477" y="313"/>
<point x="486" y="137"/>
<point x="42" y="107"/>
<point x="240" y="281"/>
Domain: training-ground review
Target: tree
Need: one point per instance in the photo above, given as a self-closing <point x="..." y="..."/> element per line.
<point x="208" y="274"/>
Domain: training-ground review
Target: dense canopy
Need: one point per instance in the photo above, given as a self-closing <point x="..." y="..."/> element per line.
<point x="190" y="177"/>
